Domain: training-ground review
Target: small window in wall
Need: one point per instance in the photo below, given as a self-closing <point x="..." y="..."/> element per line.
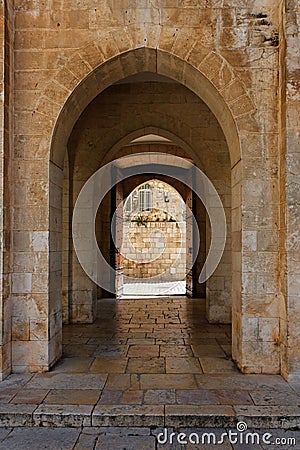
<point x="145" y="200"/>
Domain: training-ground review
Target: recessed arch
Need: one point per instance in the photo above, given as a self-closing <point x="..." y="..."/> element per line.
<point x="173" y="138"/>
<point x="150" y="60"/>
<point x="120" y="67"/>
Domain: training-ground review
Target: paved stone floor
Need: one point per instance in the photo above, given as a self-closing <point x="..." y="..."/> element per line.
<point x="148" y="363"/>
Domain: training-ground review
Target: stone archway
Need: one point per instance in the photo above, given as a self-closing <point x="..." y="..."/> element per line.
<point x="135" y="133"/>
<point x="87" y="73"/>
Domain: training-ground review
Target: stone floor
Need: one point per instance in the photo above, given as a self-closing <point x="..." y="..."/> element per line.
<point x="143" y="438"/>
<point x="148" y="363"/>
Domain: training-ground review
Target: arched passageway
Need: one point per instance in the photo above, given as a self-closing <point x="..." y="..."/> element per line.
<point x="109" y="129"/>
<point x="145" y="89"/>
<point x="110" y="126"/>
<point x="153" y="241"/>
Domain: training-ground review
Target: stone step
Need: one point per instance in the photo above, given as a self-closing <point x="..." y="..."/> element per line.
<point x="176" y="416"/>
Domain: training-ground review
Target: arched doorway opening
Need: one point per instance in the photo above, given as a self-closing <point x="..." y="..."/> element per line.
<point x="231" y="118"/>
<point x="153" y="256"/>
<point x="108" y="129"/>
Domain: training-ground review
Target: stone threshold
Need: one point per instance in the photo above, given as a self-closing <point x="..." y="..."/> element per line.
<point x="202" y="416"/>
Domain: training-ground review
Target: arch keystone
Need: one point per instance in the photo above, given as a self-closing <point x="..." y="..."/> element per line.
<point x="144" y="36"/>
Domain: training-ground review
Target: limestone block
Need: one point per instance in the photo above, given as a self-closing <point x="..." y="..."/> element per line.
<point x="21" y="283"/>
<point x="34" y="121"/>
<point x="30" y="261"/>
<point x="260" y="217"/>
<point x="70" y="19"/>
<point x="268" y="329"/>
<point x="29" y="39"/>
<point x="236" y="216"/>
<point x="250" y="240"/>
<point x="294" y="284"/>
<point x="267" y="283"/>
<point x="37" y="146"/>
<point x="247" y="122"/>
<point x="63" y="415"/>
<point x="259" y="262"/>
<point x="82" y="314"/>
<point x="30" y="306"/>
<point x="25" y="19"/>
<point x="294" y="305"/>
<point x="82" y="297"/>
<point x="267" y="305"/>
<point x="249" y="283"/>
<point x="26" y="100"/>
<point x="66" y="79"/>
<point x="16" y="415"/>
<point x="38" y="329"/>
<point x="39" y="283"/>
<point x="184" y="43"/>
<point x="29" y="353"/>
<point x="250" y="328"/>
<point x="263" y="356"/>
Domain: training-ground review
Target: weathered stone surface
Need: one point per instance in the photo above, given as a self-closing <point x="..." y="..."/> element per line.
<point x="204" y="416"/>
<point x="283" y="417"/>
<point x="16" y="415"/>
<point x="179" y="365"/>
<point x="67" y="381"/>
<point x="63" y="415"/>
<point x="128" y="415"/>
<point x="217" y="365"/>
<point x="72" y="396"/>
<point x="157" y="396"/>
<point x="29" y="438"/>
<point x="196" y="397"/>
<point x="30" y="396"/>
<point x="269" y="398"/>
<point x="168" y="381"/>
<point x="242" y="382"/>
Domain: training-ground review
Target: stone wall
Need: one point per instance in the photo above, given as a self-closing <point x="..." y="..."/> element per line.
<point x="163" y="244"/>
<point x="290" y="187"/>
<point x="6" y="191"/>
